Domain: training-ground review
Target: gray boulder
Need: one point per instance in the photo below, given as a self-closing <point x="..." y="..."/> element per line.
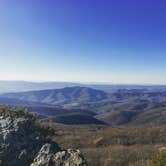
<point x="19" y="143"/>
<point x="22" y="145"/>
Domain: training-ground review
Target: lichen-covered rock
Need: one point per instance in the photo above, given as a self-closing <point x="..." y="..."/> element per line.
<point x="19" y="143"/>
<point x="46" y="157"/>
<point x="22" y="145"/>
<point x="69" y="158"/>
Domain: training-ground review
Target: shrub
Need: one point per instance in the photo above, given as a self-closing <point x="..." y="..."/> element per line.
<point x="159" y="160"/>
<point x="15" y="113"/>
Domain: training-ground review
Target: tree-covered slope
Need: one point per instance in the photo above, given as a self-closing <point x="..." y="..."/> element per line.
<point x="69" y="95"/>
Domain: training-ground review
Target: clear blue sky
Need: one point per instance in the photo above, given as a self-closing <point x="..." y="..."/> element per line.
<point x="116" y="41"/>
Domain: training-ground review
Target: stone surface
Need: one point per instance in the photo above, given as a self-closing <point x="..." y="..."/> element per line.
<point x="22" y="145"/>
<point x="18" y="143"/>
<point x="46" y="157"/>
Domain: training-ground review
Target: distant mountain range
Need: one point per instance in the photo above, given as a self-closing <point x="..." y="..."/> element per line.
<point x="69" y="95"/>
<point x="77" y="96"/>
<point x="17" y="102"/>
<point x="84" y="105"/>
<point x="19" y="86"/>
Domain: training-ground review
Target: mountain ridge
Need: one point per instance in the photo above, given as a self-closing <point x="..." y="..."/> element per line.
<point x="68" y="95"/>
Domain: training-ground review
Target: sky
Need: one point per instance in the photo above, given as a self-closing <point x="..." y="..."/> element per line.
<point x="108" y="41"/>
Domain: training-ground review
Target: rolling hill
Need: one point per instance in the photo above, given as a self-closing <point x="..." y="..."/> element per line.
<point x="150" y="117"/>
<point x="142" y="94"/>
<point x="122" y="105"/>
<point x="18" y="102"/>
<point x="117" y="117"/>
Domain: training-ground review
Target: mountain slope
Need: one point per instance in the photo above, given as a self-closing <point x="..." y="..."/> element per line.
<point x="22" y="86"/>
<point x="18" y="102"/>
<point x="69" y="95"/>
<point x="148" y="117"/>
<point x="142" y="94"/>
<point x="116" y="117"/>
<point x="155" y="117"/>
<point x="123" y="105"/>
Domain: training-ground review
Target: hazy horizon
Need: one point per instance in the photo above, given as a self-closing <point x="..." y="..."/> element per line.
<point x="90" y="83"/>
<point x="110" y="42"/>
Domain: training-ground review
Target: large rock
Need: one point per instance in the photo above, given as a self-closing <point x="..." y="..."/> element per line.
<point x="46" y="157"/>
<point x="22" y="145"/>
<point x="19" y="143"/>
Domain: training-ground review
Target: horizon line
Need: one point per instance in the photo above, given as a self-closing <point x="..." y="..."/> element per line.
<point x="86" y="82"/>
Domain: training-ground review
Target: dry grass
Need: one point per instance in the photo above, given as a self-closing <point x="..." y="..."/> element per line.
<point x="112" y="146"/>
<point x="120" y="155"/>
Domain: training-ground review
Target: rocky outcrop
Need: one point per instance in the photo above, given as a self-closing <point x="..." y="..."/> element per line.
<point x="22" y="145"/>
<point x="18" y="141"/>
<point x="46" y="157"/>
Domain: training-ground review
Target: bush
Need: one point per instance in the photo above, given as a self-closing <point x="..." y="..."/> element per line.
<point x="15" y="113"/>
<point x="159" y="160"/>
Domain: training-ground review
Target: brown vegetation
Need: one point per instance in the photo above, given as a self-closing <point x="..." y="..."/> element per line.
<point x="112" y="146"/>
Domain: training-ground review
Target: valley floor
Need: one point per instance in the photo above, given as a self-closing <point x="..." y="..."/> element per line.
<point x="115" y="146"/>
